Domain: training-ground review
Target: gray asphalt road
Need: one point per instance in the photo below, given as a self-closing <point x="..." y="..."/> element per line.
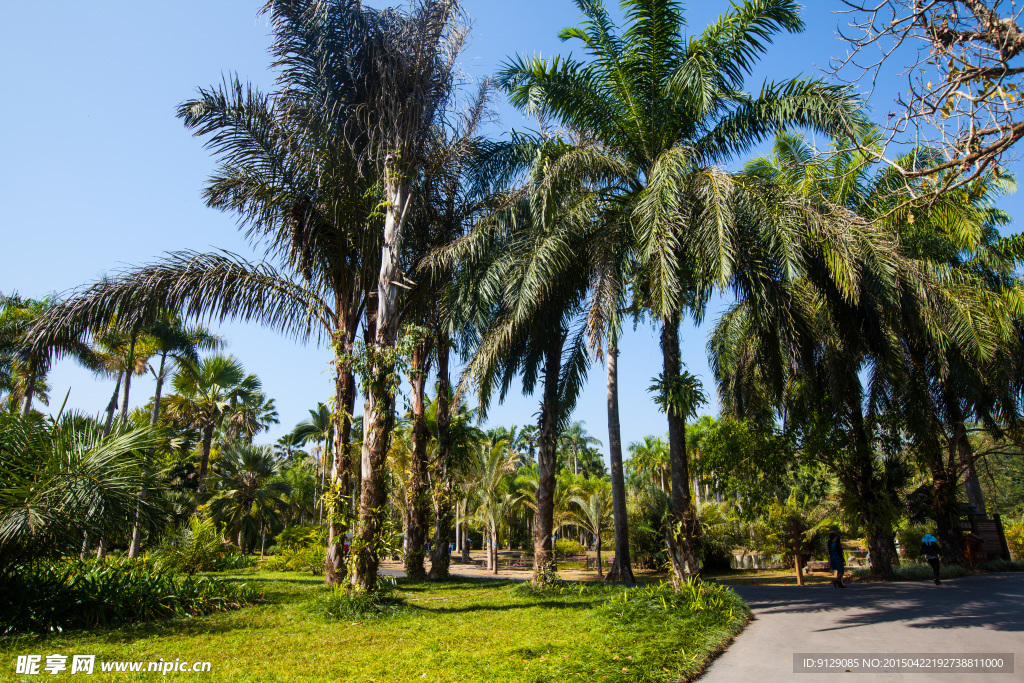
<point x="977" y="614"/>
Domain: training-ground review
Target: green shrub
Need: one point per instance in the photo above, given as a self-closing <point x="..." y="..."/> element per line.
<point x="916" y="571"/>
<point x="301" y="536"/>
<point x="298" y="560"/>
<point x="347" y="604"/>
<point x="46" y="598"/>
<point x="306" y="560"/>
<point x="566" y="547"/>
<point x="659" y="603"/>
<point x="910" y="539"/>
<point x="1015" y="539"/>
<point x="1000" y="565"/>
<point x="191" y="549"/>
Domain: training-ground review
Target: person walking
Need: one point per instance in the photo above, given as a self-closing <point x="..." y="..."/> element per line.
<point x="931" y="550"/>
<point x="836" y="559"/>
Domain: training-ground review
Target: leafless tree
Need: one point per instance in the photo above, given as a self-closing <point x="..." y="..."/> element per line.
<point x="961" y="60"/>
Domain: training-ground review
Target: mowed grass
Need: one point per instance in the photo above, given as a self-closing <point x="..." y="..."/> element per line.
<point x="466" y="631"/>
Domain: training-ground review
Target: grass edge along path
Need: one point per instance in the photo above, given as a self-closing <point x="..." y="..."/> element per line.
<point x="457" y="631"/>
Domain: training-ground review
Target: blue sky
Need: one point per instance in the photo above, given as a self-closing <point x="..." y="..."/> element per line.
<point x="98" y="173"/>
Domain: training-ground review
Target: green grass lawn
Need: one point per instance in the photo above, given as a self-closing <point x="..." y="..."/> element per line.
<point x="465" y="631"/>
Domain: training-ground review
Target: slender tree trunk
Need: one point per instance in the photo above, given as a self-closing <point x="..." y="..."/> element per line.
<point x="962" y="442"/>
<point x="443" y="489"/>
<point x="344" y="399"/>
<point x="494" y="549"/>
<point x="621" y="569"/>
<point x="683" y="547"/>
<point x="101" y="549"/>
<point x="543" y="558"/>
<point x="418" y="498"/>
<point x="204" y="464"/>
<point x="154" y="418"/>
<point x="112" y="405"/>
<point x="458" y="526"/>
<point x="379" y="419"/>
<point x="600" y="569"/>
<point x="30" y="390"/>
<point x="872" y="500"/>
<point x="128" y="375"/>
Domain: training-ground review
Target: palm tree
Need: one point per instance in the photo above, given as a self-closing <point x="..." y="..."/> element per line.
<point x="494" y="462"/>
<point x="806" y="343"/>
<point x="171" y="341"/>
<point x="248" y="496"/>
<point x="650" y="459"/>
<point x="204" y="395"/>
<point x="575" y="438"/>
<point x="528" y="312"/>
<point x="24" y="360"/>
<point x="594" y="513"/>
<point x="664" y="110"/>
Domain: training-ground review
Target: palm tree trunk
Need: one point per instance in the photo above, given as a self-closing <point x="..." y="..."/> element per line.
<point x="962" y="443"/>
<point x="543" y="559"/>
<point x="130" y="366"/>
<point x="972" y="483"/>
<point x="440" y="554"/>
<point x="600" y="569"/>
<point x="112" y="406"/>
<point x="871" y="501"/>
<point x="682" y="550"/>
<point x="621" y="569"/>
<point x="30" y="390"/>
<point x="494" y="549"/>
<point x="458" y="526"/>
<point x="418" y="498"/>
<point x="204" y="464"/>
<point x="344" y="400"/>
<point x="154" y="418"/>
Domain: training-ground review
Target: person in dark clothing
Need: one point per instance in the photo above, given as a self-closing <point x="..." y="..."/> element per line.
<point x="836" y="559"/>
<point x="931" y="550"/>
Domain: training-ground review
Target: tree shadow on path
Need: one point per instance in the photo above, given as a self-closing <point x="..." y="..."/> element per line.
<point x="993" y="601"/>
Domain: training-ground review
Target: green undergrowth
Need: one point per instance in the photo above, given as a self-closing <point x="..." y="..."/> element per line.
<point x="57" y="596"/>
<point x="455" y="631"/>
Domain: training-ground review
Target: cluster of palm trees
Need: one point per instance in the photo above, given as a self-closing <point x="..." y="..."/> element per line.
<point x="396" y="232"/>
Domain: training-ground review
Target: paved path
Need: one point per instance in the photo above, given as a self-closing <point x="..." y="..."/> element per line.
<point x="976" y="614"/>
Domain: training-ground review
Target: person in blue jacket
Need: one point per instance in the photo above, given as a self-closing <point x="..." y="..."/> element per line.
<point x="836" y="559"/>
<point x="931" y="550"/>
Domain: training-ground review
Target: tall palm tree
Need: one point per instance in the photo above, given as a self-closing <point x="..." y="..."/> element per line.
<point x="171" y="341"/>
<point x="575" y="439"/>
<point x="650" y="459"/>
<point x="594" y="513"/>
<point x="805" y="339"/>
<point x="665" y="110"/>
<point x="493" y="464"/>
<point x="527" y="313"/>
<point x="204" y="395"/>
